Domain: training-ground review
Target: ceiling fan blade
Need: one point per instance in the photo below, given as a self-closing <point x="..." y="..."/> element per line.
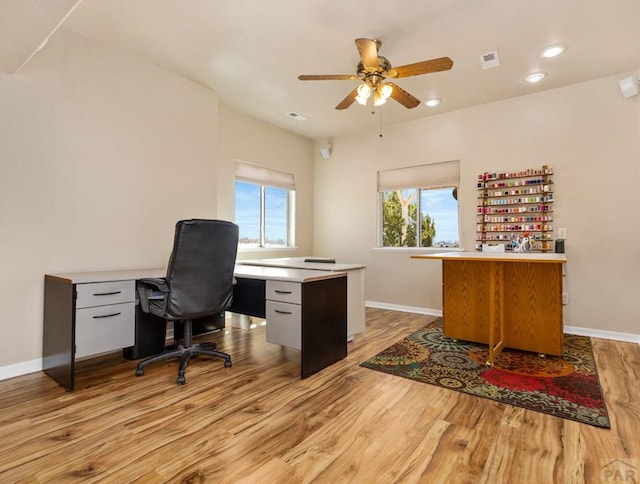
<point x="424" y="67"/>
<point x="403" y="97"/>
<point x="328" y="77"/>
<point x="348" y="101"/>
<point x="368" y="50"/>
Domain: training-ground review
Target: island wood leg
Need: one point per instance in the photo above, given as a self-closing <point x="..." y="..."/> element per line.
<point x="496" y="311"/>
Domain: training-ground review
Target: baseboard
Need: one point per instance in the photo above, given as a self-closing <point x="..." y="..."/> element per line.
<point x="592" y="333"/>
<point x="19" y="369"/>
<point x="404" y="309"/>
<point x="601" y="333"/>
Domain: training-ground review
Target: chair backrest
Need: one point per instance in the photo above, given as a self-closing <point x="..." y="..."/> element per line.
<point x="200" y="270"/>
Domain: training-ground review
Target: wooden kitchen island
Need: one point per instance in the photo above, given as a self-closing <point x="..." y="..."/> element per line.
<point x="509" y="300"/>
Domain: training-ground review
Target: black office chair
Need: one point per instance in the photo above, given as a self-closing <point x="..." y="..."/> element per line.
<point x="199" y="283"/>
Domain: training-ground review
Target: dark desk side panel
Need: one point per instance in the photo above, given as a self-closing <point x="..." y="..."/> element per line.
<point x="249" y="297"/>
<point x="150" y="336"/>
<point x="58" y="331"/>
<point x="324" y="324"/>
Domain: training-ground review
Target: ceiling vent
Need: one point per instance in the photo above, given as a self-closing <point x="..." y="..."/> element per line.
<point x="490" y="60"/>
<point x="297" y="116"/>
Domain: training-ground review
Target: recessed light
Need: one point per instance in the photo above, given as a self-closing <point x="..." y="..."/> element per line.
<point x="433" y="102"/>
<point x="552" y="51"/>
<point x="535" y="77"/>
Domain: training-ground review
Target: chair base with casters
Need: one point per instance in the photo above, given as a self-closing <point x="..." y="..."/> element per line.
<point x="185" y="352"/>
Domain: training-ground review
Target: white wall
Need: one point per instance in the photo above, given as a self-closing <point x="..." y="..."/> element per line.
<point x="588" y="133"/>
<point x="100" y="155"/>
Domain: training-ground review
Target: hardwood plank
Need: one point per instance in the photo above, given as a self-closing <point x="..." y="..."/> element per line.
<point x="258" y="422"/>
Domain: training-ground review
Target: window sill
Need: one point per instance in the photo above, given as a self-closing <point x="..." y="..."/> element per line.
<point x="418" y="250"/>
<point x="266" y="249"/>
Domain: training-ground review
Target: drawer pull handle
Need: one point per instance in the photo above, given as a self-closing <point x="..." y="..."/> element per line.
<point x="283" y="312"/>
<point x="107" y="316"/>
<point x="283" y="292"/>
<point x="106" y="293"/>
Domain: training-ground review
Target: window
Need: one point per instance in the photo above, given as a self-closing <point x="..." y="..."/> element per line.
<point x="420" y="200"/>
<point x="264" y="206"/>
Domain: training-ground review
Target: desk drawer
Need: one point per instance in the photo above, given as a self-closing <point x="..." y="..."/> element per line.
<point x="290" y="292"/>
<point x="104" y="328"/>
<point x="284" y="324"/>
<point x="103" y="293"/>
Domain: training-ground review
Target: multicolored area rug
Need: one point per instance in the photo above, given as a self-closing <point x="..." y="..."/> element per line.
<point x="565" y="386"/>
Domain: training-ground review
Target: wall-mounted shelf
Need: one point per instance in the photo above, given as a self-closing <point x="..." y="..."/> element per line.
<point x="512" y="203"/>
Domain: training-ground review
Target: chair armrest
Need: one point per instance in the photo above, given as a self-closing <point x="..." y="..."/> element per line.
<point x="159" y="283"/>
<point x="150" y="288"/>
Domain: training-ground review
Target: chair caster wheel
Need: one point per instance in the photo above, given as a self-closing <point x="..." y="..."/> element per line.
<point x="181" y="380"/>
<point x="489" y="364"/>
<point x="227" y="364"/>
<point x="139" y="372"/>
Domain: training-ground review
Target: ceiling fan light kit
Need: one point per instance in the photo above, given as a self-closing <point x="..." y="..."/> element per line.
<point x="364" y="91"/>
<point x="373" y="70"/>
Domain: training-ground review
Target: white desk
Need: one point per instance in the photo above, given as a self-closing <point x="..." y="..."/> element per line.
<point x="356" y="316"/>
<point x="89" y="313"/>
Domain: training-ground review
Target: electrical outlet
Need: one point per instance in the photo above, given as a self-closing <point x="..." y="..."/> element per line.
<point x="562" y="233"/>
<point x="565" y="298"/>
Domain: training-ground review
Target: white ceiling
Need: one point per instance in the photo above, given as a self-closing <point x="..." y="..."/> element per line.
<point x="25" y="26"/>
<point x="250" y="51"/>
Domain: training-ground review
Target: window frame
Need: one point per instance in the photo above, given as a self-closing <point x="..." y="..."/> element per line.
<point x="264" y="178"/>
<point x="420" y="178"/>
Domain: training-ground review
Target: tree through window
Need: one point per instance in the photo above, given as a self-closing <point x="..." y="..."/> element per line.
<point x="424" y="215"/>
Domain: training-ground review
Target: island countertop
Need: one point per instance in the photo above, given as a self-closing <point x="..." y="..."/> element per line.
<point x="497" y="256"/>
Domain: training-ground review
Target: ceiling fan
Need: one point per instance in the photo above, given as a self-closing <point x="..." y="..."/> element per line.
<point x="373" y="70"/>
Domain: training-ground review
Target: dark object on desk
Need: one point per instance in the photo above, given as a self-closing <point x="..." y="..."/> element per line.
<point x="199" y="283"/>
<point x="322" y="260"/>
<point x="559" y="246"/>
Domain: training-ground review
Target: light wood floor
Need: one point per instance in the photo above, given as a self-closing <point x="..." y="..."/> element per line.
<point x="257" y="422"/>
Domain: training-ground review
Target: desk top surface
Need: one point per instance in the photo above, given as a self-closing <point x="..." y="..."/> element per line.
<point x="497" y="256"/>
<point x="286" y="274"/>
<point x="107" y="276"/>
<point x="299" y="263"/>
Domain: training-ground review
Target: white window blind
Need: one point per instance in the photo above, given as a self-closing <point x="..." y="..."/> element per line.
<point x="250" y="173"/>
<point x="435" y="175"/>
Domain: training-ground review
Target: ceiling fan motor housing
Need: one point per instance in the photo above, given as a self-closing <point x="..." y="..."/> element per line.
<point x="374" y="74"/>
